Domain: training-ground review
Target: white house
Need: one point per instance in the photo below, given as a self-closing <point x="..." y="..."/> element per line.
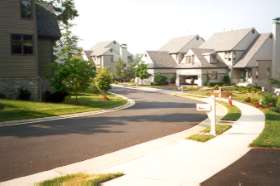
<point x="178" y="47"/>
<point x="166" y="59"/>
<point x="106" y="54"/>
<point x="244" y="55"/>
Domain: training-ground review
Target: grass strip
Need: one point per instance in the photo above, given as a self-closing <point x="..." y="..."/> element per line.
<point x="80" y="179"/>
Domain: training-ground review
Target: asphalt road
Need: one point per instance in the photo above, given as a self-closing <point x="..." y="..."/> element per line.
<point x="32" y="148"/>
<point x="259" y="167"/>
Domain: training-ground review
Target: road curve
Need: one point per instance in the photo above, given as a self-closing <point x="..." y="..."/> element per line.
<point x="32" y="148"/>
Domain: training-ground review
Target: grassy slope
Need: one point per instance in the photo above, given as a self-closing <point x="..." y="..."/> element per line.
<point x="270" y="137"/>
<point x="80" y="179"/>
<point x="14" y="109"/>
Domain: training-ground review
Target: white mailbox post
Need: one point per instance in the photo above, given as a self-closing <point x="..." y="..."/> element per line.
<point x="210" y="108"/>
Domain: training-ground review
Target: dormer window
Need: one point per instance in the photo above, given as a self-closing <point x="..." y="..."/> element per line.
<point x="26" y="9"/>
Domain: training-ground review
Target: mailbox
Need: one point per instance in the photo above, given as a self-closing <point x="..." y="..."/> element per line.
<point x="203" y="107"/>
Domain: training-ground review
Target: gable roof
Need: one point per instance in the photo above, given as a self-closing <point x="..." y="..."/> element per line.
<point x="248" y="59"/>
<point x="202" y="62"/>
<point x="101" y="48"/>
<point x="161" y="59"/>
<point x="177" y="45"/>
<point x="47" y="24"/>
<point x="226" y="41"/>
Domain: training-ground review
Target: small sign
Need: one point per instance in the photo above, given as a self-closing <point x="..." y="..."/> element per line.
<point x="203" y="107"/>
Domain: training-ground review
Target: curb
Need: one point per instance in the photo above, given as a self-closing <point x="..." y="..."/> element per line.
<point x="129" y="103"/>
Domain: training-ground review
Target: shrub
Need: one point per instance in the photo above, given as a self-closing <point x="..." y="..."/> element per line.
<point x="226" y="80"/>
<point x="103" y="81"/>
<point x="23" y="94"/>
<point x="268" y="99"/>
<point x="277" y="106"/>
<point x="172" y="80"/>
<point x="217" y="84"/>
<point x="248" y="100"/>
<point x="2" y="96"/>
<point x="160" y="79"/>
<point x="93" y="89"/>
<point x="2" y="106"/>
<point x="56" y="97"/>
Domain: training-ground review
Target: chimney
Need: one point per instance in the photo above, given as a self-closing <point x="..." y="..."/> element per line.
<point x="124" y="53"/>
<point x="276" y="49"/>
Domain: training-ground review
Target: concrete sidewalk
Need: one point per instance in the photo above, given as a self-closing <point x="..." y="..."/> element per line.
<point x="171" y="160"/>
<point x="189" y="163"/>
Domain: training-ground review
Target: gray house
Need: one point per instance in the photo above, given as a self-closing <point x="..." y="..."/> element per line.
<point x="105" y="54"/>
<point x="28" y="32"/>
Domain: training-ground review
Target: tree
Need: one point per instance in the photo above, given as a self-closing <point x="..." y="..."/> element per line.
<point x="73" y="76"/>
<point x="103" y="82"/>
<point x="66" y="12"/>
<point x="141" y="71"/>
<point x="120" y="71"/>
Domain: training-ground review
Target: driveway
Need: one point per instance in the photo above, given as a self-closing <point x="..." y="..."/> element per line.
<point x="32" y="148"/>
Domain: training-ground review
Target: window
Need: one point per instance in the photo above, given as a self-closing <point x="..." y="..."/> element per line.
<point x="190" y="59"/>
<point x="22" y="44"/>
<point x="26" y="8"/>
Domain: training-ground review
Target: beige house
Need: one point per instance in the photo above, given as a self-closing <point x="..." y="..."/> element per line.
<point x="106" y="54"/>
<point x="28" y="31"/>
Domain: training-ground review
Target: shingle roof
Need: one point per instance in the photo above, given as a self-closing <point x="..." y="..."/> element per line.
<point x="101" y="48"/>
<point x="177" y="45"/>
<point x="202" y="63"/>
<point x="248" y="59"/>
<point x="47" y="25"/>
<point x="161" y="59"/>
<point x="225" y="41"/>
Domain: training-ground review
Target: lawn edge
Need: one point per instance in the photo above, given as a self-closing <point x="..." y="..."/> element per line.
<point x="129" y="103"/>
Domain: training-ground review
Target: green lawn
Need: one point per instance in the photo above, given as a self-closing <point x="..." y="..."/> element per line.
<point x="205" y="136"/>
<point x="270" y="137"/>
<point x="15" y="109"/>
<point x="80" y="180"/>
<point x="233" y="113"/>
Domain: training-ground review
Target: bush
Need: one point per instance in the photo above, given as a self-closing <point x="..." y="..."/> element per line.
<point x="248" y="100"/>
<point x="212" y="84"/>
<point x="23" y="94"/>
<point x="277" y="106"/>
<point x="2" y="106"/>
<point x="226" y="80"/>
<point x="2" y="96"/>
<point x="269" y="100"/>
<point x="172" y="80"/>
<point x="160" y="79"/>
<point x="93" y="89"/>
<point x="56" y="97"/>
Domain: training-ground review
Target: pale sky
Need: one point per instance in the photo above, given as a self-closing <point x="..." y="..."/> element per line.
<point x="148" y="24"/>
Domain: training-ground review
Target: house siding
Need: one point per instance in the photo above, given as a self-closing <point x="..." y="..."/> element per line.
<point x="17" y="71"/>
<point x="11" y="23"/>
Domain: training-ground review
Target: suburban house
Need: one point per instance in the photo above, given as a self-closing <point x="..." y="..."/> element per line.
<point x="244" y="55"/>
<point x="28" y="32"/>
<point x="178" y="47"/>
<point x="276" y="49"/>
<point x="106" y="54"/>
<point x="166" y="59"/>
